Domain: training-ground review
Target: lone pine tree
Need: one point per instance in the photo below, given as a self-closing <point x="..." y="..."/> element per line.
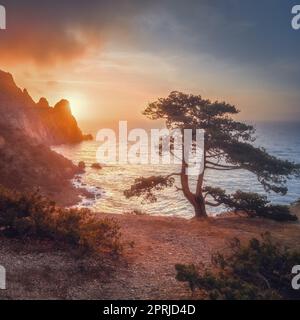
<point x="228" y="146"/>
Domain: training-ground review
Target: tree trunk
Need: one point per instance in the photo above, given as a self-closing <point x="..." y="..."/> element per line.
<point x="199" y="207"/>
<point x="197" y="200"/>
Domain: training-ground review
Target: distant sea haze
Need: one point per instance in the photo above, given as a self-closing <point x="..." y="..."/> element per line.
<point x="279" y="139"/>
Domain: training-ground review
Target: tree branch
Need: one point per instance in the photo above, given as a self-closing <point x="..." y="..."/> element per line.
<point x="223" y="169"/>
<point x="223" y="166"/>
<point x="173" y="174"/>
<point x="215" y="155"/>
<point x="213" y="204"/>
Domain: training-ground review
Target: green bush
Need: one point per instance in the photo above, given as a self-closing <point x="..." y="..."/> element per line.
<point x="259" y="270"/>
<point x="253" y="204"/>
<point x="31" y="215"/>
<point x="279" y="213"/>
<point x="257" y="205"/>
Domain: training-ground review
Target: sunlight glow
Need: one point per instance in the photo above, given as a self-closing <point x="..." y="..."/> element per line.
<point x="78" y="104"/>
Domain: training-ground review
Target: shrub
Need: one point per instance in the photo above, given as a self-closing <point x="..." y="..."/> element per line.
<point x="253" y="204"/>
<point x="31" y="215"/>
<point x="279" y="213"/>
<point x="257" y="205"/>
<point x="259" y="270"/>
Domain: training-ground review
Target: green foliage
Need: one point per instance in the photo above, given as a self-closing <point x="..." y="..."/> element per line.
<point x="145" y="187"/>
<point x="259" y="270"/>
<point x="271" y="172"/>
<point x="253" y="204"/>
<point x="279" y="213"/>
<point x="31" y="215"/>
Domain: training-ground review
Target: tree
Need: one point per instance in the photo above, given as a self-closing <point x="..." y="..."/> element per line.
<point x="228" y="146"/>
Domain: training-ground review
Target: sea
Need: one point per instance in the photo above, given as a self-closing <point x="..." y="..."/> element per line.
<point x="108" y="184"/>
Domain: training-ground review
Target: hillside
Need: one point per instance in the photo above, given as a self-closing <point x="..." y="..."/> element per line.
<point x="27" y="129"/>
<point x="46" y="124"/>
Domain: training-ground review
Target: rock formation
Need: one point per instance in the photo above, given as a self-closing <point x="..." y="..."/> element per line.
<point x="46" y="124"/>
<point x="27" y="129"/>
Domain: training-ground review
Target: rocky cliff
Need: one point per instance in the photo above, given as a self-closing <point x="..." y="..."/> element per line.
<point x="46" y="124"/>
<point x="28" y="165"/>
<point x="26" y="131"/>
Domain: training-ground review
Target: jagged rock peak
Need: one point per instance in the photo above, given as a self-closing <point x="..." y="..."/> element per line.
<point x="63" y="106"/>
<point x="27" y="97"/>
<point x="45" y="124"/>
<point x="43" y="103"/>
<point x="6" y="76"/>
<point x="7" y="83"/>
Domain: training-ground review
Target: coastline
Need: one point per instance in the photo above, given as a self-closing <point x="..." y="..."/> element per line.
<point x="75" y="193"/>
<point x="68" y="196"/>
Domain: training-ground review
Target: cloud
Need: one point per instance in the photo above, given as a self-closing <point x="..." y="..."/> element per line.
<point x="255" y="36"/>
<point x="61" y="30"/>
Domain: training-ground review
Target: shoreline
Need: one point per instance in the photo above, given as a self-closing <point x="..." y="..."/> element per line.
<point x="75" y="193"/>
<point x="67" y="196"/>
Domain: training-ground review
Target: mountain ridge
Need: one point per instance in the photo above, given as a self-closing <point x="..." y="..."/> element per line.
<point x="27" y="130"/>
<point x="46" y="124"/>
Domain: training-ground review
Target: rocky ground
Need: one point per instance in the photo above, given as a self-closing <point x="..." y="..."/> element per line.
<point x="40" y="270"/>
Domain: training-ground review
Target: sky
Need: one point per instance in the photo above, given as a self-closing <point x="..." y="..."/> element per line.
<point x="111" y="58"/>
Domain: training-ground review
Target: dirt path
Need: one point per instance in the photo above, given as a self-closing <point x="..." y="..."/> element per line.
<point x="146" y="271"/>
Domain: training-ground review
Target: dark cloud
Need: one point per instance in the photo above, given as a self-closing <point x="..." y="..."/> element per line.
<point x="62" y="30"/>
<point x="255" y="34"/>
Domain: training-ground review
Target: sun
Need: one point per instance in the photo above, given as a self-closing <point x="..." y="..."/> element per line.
<point x="78" y="104"/>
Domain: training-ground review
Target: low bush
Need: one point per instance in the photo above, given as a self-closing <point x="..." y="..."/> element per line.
<point x="253" y="204"/>
<point x="32" y="215"/>
<point x="257" y="205"/>
<point x="259" y="270"/>
<point x="279" y="213"/>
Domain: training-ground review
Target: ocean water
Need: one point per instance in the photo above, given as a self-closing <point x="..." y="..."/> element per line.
<point x="107" y="185"/>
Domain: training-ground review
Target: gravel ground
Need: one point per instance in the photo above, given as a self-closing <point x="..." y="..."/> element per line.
<point x="41" y="270"/>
